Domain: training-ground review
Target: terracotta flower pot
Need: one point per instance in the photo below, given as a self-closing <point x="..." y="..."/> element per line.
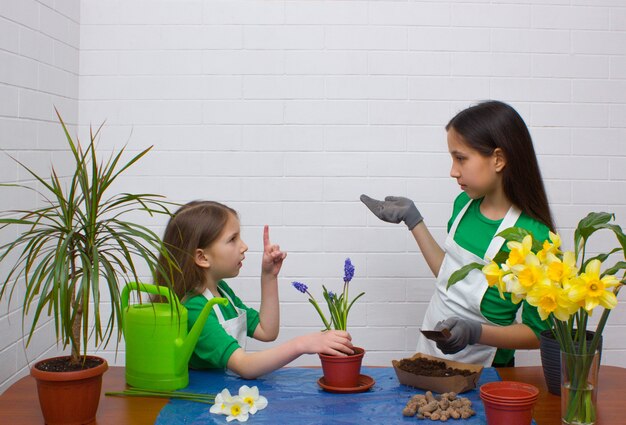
<point x="342" y="371"/>
<point x="69" y="397"/>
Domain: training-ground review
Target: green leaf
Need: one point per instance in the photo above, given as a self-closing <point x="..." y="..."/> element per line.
<point x="589" y="225"/>
<point x="78" y="243"/>
<point x="501" y="257"/>
<point x="517" y="234"/>
<point x="352" y="302"/>
<point x="461" y="273"/>
<point x="620" y="265"/>
<point x="600" y="257"/>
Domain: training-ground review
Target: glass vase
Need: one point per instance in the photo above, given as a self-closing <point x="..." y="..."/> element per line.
<point x="579" y="387"/>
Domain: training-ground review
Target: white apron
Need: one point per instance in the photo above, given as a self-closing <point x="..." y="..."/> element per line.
<point x="464" y="297"/>
<point x="236" y="327"/>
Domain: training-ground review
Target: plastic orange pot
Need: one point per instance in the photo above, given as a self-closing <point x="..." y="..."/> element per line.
<point x="342" y="371"/>
<point x="509" y="402"/>
<point x="509" y="390"/>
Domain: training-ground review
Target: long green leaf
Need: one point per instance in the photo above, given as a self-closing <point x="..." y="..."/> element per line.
<point x="621" y="265"/>
<point x="71" y="248"/>
<point x="461" y="273"/>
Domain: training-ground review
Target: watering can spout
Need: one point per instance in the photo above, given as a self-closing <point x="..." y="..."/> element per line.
<point x="189" y="343"/>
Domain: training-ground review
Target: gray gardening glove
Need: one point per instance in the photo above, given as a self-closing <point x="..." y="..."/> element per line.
<point x="394" y="209"/>
<point x="463" y="332"/>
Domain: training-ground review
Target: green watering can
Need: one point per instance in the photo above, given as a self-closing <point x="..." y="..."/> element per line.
<point x="158" y="347"/>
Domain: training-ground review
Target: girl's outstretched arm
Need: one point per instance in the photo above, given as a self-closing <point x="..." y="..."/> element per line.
<point x="253" y="365"/>
<point x="396" y="209"/>
<point x="432" y="252"/>
<point x="269" y="315"/>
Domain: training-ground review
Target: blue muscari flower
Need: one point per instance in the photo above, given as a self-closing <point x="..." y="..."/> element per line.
<point x="300" y="287"/>
<point x="331" y="295"/>
<point x="348" y="269"/>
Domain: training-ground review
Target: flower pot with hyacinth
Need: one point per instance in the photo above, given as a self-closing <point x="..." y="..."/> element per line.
<point x="339" y="371"/>
<point x="566" y="287"/>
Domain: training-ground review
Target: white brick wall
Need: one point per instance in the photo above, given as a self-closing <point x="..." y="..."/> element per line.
<point x="289" y="110"/>
<point x="38" y="70"/>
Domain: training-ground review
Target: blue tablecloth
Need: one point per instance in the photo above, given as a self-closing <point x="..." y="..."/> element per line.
<point x="294" y="397"/>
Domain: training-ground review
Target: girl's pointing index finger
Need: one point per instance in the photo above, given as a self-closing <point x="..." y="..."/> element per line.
<point x="266" y="236"/>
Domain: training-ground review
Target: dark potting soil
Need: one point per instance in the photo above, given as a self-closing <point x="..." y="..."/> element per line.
<point x="62" y="364"/>
<point x="426" y="367"/>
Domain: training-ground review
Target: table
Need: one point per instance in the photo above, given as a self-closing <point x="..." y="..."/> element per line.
<point x="19" y="404"/>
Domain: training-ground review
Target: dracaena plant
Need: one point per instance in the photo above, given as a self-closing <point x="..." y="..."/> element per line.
<point x="565" y="287"/>
<point x="338" y="305"/>
<point x="78" y="244"/>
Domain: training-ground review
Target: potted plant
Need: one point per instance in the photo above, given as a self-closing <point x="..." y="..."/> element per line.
<point x="339" y="371"/>
<point x="566" y="287"/>
<point x="68" y="251"/>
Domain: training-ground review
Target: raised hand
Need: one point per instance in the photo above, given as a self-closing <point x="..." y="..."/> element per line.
<point x="272" y="255"/>
<point x="394" y="209"/>
<point x="463" y="332"/>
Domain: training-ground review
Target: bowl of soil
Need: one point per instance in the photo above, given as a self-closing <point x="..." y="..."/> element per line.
<point x="437" y="374"/>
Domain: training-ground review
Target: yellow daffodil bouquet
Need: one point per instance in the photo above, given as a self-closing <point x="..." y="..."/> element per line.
<point x="565" y="287"/>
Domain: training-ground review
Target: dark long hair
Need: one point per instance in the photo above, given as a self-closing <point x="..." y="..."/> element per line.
<point x="492" y="124"/>
<point x="195" y="225"/>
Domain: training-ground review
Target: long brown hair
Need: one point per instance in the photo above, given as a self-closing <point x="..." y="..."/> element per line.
<point x="492" y="124"/>
<point x="195" y="225"/>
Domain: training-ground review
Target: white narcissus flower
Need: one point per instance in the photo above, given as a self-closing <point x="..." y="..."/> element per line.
<point x="237" y="409"/>
<point x="221" y="400"/>
<point x="252" y="397"/>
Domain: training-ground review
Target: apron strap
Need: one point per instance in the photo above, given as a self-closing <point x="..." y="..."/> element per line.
<point x="458" y="218"/>
<point x="218" y="312"/>
<point x="496" y="243"/>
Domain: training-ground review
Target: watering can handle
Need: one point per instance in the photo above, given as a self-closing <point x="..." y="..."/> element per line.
<point x="150" y="289"/>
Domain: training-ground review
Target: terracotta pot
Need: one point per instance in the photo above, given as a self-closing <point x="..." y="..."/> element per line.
<point x="550" y="351"/>
<point x="509" y="402"/>
<point x="342" y="371"/>
<point x="69" y="397"/>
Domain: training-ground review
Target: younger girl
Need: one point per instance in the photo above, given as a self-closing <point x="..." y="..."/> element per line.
<point x="204" y="239"/>
<point x="494" y="163"/>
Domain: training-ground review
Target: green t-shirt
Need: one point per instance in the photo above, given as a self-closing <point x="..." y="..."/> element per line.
<point x="215" y="346"/>
<point x="474" y="233"/>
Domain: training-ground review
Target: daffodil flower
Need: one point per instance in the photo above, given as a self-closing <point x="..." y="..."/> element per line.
<point x="519" y="251"/>
<point x="221" y="400"/>
<point x="527" y="275"/>
<point x="561" y="271"/>
<point x="551" y="299"/>
<point x="531" y="273"/>
<point x="237" y="409"/>
<point x="552" y="281"/>
<point x="593" y="290"/>
<point x="495" y="277"/>
<point x="251" y="397"/>
<point x="551" y="247"/>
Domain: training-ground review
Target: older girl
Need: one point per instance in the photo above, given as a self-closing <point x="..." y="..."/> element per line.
<point x="494" y="163"/>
